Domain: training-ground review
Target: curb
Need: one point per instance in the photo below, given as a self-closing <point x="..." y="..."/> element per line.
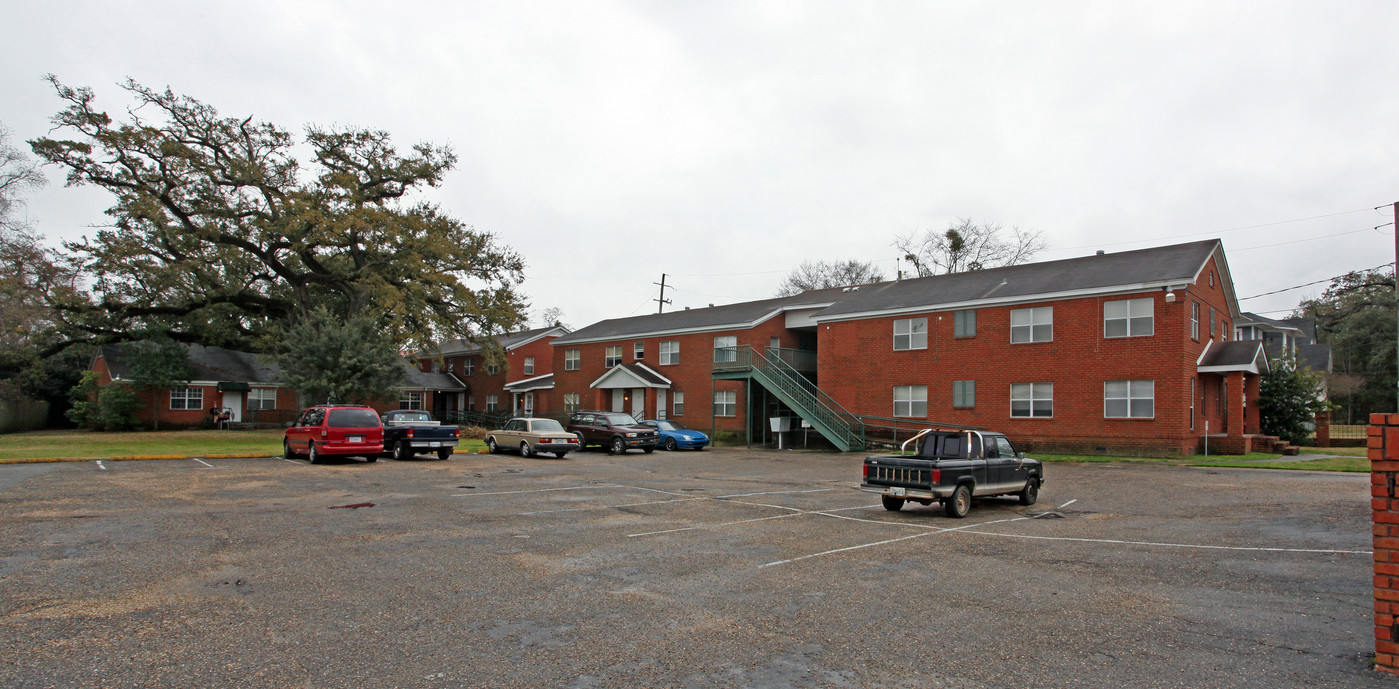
<point x="130" y="458"/>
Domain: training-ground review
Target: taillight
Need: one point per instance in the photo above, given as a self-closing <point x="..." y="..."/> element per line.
<point x="456" y="432"/>
<point x="410" y="433"/>
<point x="867" y="471"/>
<point x="935" y="476"/>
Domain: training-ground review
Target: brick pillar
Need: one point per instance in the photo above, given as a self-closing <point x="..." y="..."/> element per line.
<point x="1383" y="442"/>
<point x="1323" y="429"/>
<point x="1234" y="403"/>
<point x="1252" y="385"/>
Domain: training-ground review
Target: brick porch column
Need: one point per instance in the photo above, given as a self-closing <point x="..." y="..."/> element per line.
<point x="1254" y="424"/>
<point x="1323" y="429"/>
<point x="1383" y="442"/>
<point x="1234" y="402"/>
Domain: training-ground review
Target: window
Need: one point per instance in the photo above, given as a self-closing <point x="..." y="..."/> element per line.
<point x="529" y="365"/>
<point x="725" y="349"/>
<point x="910" y="333"/>
<point x="725" y="403"/>
<point x="1194" y="320"/>
<point x="571" y="359"/>
<point x="410" y="400"/>
<point x="963" y="394"/>
<point x="1032" y="325"/>
<point x="1128" y="318"/>
<point x="1211" y="322"/>
<point x="492" y="403"/>
<point x="471" y="402"/>
<point x="468" y="366"/>
<point x="570" y="402"/>
<point x="911" y="400"/>
<point x="1129" y="399"/>
<point x="1223" y="330"/>
<point x="612" y="356"/>
<point x="964" y="324"/>
<point x="638" y="350"/>
<point x="670" y="352"/>
<point x="436" y="367"/>
<point x="187" y="398"/>
<point x="492" y="369"/>
<point x="774" y="343"/>
<point x="1032" y="399"/>
<point x="262" y="398"/>
<point x="677" y="403"/>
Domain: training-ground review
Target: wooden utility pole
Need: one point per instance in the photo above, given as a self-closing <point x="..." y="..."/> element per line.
<point x="662" y="301"/>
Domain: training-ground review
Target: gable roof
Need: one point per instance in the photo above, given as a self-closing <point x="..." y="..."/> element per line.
<point x="1174" y="266"/>
<point x="507" y="341"/>
<point x="1248" y="318"/>
<point x="208" y="364"/>
<point x="631" y="375"/>
<point x="1238" y="355"/>
<point x="738" y="316"/>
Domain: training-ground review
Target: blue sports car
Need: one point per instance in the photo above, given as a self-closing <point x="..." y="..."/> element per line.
<point x="676" y="437"/>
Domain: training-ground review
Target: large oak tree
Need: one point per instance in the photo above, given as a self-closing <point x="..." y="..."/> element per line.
<point x="220" y="234"/>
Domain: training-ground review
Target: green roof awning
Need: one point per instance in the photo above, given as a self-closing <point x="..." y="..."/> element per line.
<point x="233" y="386"/>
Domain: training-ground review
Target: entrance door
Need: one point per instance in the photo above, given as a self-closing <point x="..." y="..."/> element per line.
<point x="619" y="400"/>
<point x="638" y="403"/>
<point x="234" y="402"/>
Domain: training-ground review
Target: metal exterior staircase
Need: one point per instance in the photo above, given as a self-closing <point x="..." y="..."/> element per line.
<point x="771" y="370"/>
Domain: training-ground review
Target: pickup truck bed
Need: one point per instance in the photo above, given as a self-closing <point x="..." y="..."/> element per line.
<point x="408" y="433"/>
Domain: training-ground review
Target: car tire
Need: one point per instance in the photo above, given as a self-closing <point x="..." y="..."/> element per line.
<point x="313" y="455"/>
<point x="286" y="450"/>
<point x="402" y="451"/>
<point x="618" y="447"/>
<point x="649" y="450"/>
<point x="491" y="447"/>
<point x="1031" y="492"/>
<point x="891" y="503"/>
<point x="582" y="444"/>
<point x="525" y="450"/>
<point x="371" y="457"/>
<point x="560" y="455"/>
<point x="670" y="445"/>
<point x="444" y="453"/>
<point x="960" y="502"/>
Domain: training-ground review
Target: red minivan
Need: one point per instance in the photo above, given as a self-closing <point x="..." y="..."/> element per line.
<point x="335" y="430"/>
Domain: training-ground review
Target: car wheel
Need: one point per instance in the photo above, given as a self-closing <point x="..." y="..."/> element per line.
<point x="402" y="451"/>
<point x="670" y="445"/>
<point x="649" y="450"/>
<point x="1031" y="492"/>
<point x="313" y="455"/>
<point x="286" y="450"/>
<point x="444" y="453"/>
<point x="891" y="503"/>
<point x="960" y="503"/>
<point x="491" y="446"/>
<point x="372" y="457"/>
<point x="618" y="447"/>
<point x="582" y="444"/>
<point x="525" y="450"/>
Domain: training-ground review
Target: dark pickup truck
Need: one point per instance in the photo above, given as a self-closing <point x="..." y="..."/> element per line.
<point x="951" y="467"/>
<point x="409" y="432"/>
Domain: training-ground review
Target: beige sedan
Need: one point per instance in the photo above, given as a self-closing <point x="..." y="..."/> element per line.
<point x="532" y="436"/>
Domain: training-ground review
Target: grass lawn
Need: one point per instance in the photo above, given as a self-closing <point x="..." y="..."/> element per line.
<point x="1353" y="460"/>
<point x="1328" y="464"/>
<point x="201" y="443"/>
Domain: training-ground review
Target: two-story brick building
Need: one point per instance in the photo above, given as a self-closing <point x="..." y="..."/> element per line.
<point x="518" y="381"/>
<point x="1120" y="352"/>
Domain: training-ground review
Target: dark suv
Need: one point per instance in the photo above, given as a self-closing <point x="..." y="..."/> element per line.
<point x="616" y="431"/>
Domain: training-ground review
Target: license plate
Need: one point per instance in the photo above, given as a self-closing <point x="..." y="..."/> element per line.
<point x="897" y="492"/>
<point x="435" y="444"/>
<point x="355" y="439"/>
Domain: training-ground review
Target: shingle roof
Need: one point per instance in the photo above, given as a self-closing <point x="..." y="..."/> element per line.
<point x="1239" y="355"/>
<point x="1247" y="318"/>
<point x="1178" y="264"/>
<point x="418" y="379"/>
<point x="1317" y="357"/>
<point x="728" y="316"/>
<point x="506" y="341"/>
<point x="209" y="363"/>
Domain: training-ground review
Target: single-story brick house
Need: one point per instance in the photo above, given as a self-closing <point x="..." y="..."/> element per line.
<point x="249" y="387"/>
<point x="1126" y="352"/>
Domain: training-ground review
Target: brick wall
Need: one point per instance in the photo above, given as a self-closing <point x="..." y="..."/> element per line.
<point x="1384" y="503"/>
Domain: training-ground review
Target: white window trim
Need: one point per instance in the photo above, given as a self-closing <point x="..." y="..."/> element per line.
<point x="610" y="361"/>
<point x="1132" y="385"/>
<point x="726" y="404"/>
<point x="912" y="333"/>
<point x="911" y="400"/>
<point x="572" y="359"/>
<point x="677" y="403"/>
<point x="1034" y="387"/>
<point x="954" y="395"/>
<point x="671" y="357"/>
<point x="1035" y="314"/>
<point x="1133" y="316"/>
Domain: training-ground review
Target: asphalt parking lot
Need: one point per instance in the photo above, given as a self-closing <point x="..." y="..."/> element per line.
<point x="722" y="568"/>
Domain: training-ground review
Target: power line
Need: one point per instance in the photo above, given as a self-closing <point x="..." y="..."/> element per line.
<point x="1309" y="284"/>
<point x="1312" y="239"/>
<point x="1211" y="233"/>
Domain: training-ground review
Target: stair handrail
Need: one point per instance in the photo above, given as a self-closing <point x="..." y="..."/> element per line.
<point x="776" y="372"/>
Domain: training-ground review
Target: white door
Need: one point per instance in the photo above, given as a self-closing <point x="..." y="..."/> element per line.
<point x="619" y="400"/>
<point x="660" y="403"/>
<point x="638" y="403"/>
<point x="529" y="404"/>
<point x="234" y="402"/>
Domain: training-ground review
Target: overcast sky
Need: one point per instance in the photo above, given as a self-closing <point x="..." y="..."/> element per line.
<point x="723" y="143"/>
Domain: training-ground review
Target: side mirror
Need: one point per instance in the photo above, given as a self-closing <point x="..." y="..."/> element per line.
<point x="1020" y="455"/>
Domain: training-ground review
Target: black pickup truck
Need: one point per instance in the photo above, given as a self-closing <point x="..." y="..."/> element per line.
<point x="409" y="432"/>
<point x="951" y="467"/>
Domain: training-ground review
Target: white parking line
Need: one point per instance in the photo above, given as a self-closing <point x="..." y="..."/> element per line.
<point x="293" y="461"/>
<point x="794" y="513"/>
<point x="1154" y="544"/>
<point x="545" y="490"/>
<point x="202" y="462"/>
<point x="773" y="492"/>
<point x="101" y="466"/>
<point x="611" y="507"/>
<point x="932" y="531"/>
<point x="1067" y="504"/>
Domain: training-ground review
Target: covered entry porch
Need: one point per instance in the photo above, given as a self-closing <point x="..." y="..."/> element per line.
<point x="634" y="389"/>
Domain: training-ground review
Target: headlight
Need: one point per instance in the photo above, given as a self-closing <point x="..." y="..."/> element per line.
<point x="631" y="435"/>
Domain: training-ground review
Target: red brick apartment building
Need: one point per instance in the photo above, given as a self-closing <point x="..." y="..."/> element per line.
<point x="1125" y="352"/>
<point x="519" y="382"/>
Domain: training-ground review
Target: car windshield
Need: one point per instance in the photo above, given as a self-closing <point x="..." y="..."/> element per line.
<point x="620" y="419"/>
<point x="545" y="425"/>
<point x="352" y="418"/>
<point x="412" y="416"/>
<point x="667" y="426"/>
